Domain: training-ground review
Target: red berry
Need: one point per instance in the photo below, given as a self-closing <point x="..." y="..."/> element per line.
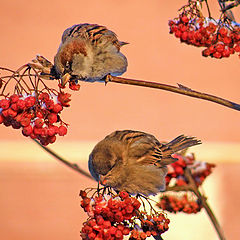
<point x="37" y="131"/>
<point x="21" y="104"/>
<point x="5" y="113"/>
<point x="206" y="52"/>
<point x="30" y="101"/>
<point x="126" y="231"/>
<point x="129" y="209"/>
<point x="33" y="136"/>
<point x="1" y="118"/>
<point x="39" y="114"/>
<point x="52" y="118"/>
<point x="39" y="122"/>
<point x="14" y="107"/>
<point x="184" y="19"/>
<point x="143" y="235"/>
<point x="44" y="132"/>
<point x="25" y="121"/>
<point x="178" y="34"/>
<point x="64" y="99"/>
<point x="136" y="204"/>
<point x="99" y="220"/>
<point x="223" y="31"/>
<point x="112" y="230"/>
<point x="51" y="131"/>
<point x="14" y="98"/>
<point x="62" y="130"/>
<point x="118" y="216"/>
<point x="123" y="195"/>
<point x="118" y="234"/>
<point x="7" y="122"/>
<point x="217" y="55"/>
<point x="120" y="227"/>
<point x="227" y="40"/>
<point x="52" y="139"/>
<point x="212" y="49"/>
<point x="12" y="113"/>
<point x="83" y="194"/>
<point x="237" y="48"/>
<point x="43" y="97"/>
<point x="73" y="86"/>
<point x="226" y="53"/>
<point x="220" y="47"/>
<point x="27" y="130"/>
<point x="49" y="104"/>
<point x="57" y="108"/>
<point x="107" y="224"/>
<point x="16" y="125"/>
<point x="198" y="36"/>
<point x="92" y="236"/>
<point x="184" y="36"/>
<point x="4" y="103"/>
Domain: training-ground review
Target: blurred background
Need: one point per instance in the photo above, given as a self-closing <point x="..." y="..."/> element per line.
<point x="39" y="196"/>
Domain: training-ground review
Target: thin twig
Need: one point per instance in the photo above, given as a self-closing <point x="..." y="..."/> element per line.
<point x="204" y="203"/>
<point x="180" y="89"/>
<point x="208" y="9"/>
<point x="225" y="8"/>
<point x="73" y="166"/>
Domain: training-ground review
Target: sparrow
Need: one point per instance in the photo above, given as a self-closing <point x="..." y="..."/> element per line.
<point x="135" y="161"/>
<point x="89" y="52"/>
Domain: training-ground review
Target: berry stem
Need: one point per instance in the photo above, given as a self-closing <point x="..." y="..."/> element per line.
<point x="208" y="9"/>
<point x="204" y="203"/>
<point x="180" y="90"/>
<point x="73" y="166"/>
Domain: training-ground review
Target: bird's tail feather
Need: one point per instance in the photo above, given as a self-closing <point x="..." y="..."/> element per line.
<point x="179" y="143"/>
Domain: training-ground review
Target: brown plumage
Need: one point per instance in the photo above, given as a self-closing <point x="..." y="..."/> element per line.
<point x="135" y="161"/>
<point x="89" y="52"/>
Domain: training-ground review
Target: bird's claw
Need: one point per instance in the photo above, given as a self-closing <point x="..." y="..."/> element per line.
<point x="107" y="79"/>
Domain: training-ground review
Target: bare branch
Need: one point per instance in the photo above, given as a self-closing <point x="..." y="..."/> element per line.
<point x="73" y="166"/>
<point x="180" y="90"/>
<point x="204" y="203"/>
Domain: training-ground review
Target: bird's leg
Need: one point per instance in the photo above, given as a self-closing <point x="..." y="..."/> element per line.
<point x="107" y="79"/>
<point x="98" y="189"/>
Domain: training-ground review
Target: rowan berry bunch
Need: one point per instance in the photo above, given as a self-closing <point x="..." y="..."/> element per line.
<point x="113" y="216"/>
<point x="221" y="38"/>
<point x="32" y="107"/>
<point x="199" y="170"/>
<point x="178" y="202"/>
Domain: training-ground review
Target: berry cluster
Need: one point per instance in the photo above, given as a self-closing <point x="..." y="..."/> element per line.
<point x="175" y="203"/>
<point x="73" y="85"/>
<point x="37" y="116"/>
<point x="219" y="39"/>
<point x="199" y="170"/>
<point x="151" y="225"/>
<point x="115" y="216"/>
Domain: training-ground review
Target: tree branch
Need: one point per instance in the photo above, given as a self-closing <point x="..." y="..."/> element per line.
<point x="203" y="200"/>
<point x="73" y="166"/>
<point x="180" y="89"/>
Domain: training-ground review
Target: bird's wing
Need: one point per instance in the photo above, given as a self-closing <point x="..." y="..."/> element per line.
<point x="141" y="148"/>
<point x="92" y="32"/>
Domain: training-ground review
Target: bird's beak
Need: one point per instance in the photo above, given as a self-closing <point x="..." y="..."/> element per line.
<point x="65" y="78"/>
<point x="123" y="43"/>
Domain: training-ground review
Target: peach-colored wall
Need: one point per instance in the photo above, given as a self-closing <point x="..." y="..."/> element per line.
<point x="35" y="27"/>
<point x="40" y="200"/>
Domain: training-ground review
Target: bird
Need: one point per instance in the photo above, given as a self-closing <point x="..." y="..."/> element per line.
<point x="89" y="52"/>
<point x="134" y="161"/>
